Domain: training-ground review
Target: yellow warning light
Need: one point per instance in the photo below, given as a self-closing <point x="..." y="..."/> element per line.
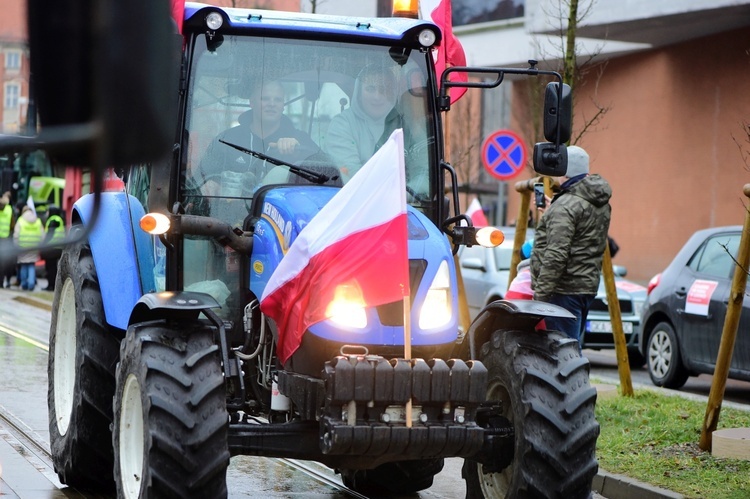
<point x="406" y="8"/>
<point x="489" y="237"/>
<point x="154" y="223"/>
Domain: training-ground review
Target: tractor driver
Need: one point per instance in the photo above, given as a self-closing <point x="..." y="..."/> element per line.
<point x="265" y="129"/>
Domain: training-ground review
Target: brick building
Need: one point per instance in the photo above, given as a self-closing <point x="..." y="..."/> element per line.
<point x="14" y="67"/>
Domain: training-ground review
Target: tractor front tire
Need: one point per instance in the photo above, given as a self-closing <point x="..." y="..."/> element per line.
<point x="83" y="353"/>
<point x="171" y="421"/>
<point x="541" y="383"/>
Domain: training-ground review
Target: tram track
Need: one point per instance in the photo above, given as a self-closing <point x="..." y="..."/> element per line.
<point x="35" y="448"/>
<point x="27" y="443"/>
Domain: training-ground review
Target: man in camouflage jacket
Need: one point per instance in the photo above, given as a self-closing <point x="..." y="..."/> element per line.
<point x="569" y="244"/>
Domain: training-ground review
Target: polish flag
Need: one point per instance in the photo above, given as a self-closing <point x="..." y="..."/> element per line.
<point x="178" y="13"/>
<point x="450" y="52"/>
<point x="355" y="246"/>
<point x="474" y="211"/>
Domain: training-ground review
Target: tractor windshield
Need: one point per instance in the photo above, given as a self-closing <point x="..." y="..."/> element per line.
<point x="258" y="105"/>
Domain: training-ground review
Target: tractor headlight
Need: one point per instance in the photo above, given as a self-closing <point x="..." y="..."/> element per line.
<point x="427" y="38"/>
<point x="347" y="307"/>
<point x="436" y="309"/>
<point x="214" y="21"/>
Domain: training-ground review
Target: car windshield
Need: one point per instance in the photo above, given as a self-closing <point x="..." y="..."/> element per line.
<point x="258" y="105"/>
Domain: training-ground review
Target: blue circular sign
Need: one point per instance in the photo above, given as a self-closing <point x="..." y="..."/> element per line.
<point x="504" y="154"/>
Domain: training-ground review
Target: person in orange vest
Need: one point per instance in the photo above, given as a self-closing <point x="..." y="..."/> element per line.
<point x="28" y="233"/>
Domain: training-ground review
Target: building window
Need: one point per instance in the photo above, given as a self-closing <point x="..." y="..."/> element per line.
<point x="12" y="60"/>
<point x="482" y="11"/>
<point x="12" y="92"/>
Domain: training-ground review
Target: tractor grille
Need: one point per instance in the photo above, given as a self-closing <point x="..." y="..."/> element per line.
<point x="392" y="314"/>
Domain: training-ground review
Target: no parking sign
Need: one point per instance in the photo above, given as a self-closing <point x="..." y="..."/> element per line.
<point x="504" y="154"/>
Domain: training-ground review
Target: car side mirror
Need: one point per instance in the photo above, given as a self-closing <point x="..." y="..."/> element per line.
<point x="619" y="270"/>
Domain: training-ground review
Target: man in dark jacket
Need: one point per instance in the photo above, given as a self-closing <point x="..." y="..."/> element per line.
<point x="569" y="244"/>
<point x="264" y="129"/>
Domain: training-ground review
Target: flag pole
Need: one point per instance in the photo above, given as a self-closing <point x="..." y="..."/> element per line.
<point x="407" y="348"/>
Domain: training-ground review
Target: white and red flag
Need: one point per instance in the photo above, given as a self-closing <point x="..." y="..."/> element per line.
<point x="178" y="13"/>
<point x="450" y="52"/>
<point x="475" y="212"/>
<point x="357" y="242"/>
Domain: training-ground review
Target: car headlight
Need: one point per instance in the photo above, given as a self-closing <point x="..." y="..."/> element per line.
<point x="638" y="307"/>
<point x="436" y="309"/>
<point x="348" y="307"/>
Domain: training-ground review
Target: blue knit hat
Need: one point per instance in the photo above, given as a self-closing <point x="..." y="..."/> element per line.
<point x="526" y="249"/>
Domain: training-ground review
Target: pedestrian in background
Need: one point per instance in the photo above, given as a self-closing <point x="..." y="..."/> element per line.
<point x="54" y="228"/>
<point x="7" y="265"/>
<point x="28" y="233"/>
<point x="569" y="244"/>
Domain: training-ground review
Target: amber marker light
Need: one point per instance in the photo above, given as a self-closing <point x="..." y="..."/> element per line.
<point x="406" y="8"/>
<point x="154" y="223"/>
<point x="489" y="237"/>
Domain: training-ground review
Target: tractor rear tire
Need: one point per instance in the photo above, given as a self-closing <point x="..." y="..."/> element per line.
<point x="404" y="477"/>
<point x="83" y="353"/>
<point x="171" y="423"/>
<point x="542" y="384"/>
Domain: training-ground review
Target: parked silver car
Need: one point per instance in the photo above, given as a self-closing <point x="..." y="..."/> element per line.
<point x="485" y="273"/>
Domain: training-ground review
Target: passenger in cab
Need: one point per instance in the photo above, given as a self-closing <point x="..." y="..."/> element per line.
<point x="357" y="132"/>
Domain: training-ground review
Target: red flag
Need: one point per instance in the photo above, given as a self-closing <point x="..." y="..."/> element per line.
<point x="178" y="13"/>
<point x="475" y="212"/>
<point x="450" y="52"/>
<point x="356" y="245"/>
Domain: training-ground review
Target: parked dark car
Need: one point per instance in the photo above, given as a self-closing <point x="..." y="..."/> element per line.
<point x="687" y="303"/>
<point x="485" y="273"/>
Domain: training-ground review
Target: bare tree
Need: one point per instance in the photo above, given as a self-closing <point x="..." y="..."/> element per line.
<point x="574" y="67"/>
<point x="313" y="5"/>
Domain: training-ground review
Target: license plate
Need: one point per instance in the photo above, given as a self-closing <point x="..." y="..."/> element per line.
<point x="606" y="327"/>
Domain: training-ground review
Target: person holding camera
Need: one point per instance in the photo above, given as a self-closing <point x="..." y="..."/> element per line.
<point x="569" y="244"/>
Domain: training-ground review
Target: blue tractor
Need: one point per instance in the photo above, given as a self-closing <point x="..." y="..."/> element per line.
<point x="162" y="365"/>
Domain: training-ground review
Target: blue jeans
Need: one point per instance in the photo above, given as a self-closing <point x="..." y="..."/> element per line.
<point x="577" y="305"/>
<point x="27" y="275"/>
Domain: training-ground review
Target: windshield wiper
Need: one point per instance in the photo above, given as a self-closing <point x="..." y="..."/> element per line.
<point x="310" y="175"/>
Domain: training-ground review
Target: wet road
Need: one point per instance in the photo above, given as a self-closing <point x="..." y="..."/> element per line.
<point x="24" y="328"/>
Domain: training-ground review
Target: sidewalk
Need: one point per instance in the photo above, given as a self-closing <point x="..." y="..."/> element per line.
<point x="23" y="312"/>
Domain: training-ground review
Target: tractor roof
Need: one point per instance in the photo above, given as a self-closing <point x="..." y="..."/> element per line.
<point x="379" y="30"/>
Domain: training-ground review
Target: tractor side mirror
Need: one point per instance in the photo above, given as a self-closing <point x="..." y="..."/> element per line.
<point x="557" y="113"/>
<point x="550" y="159"/>
<point x="105" y="76"/>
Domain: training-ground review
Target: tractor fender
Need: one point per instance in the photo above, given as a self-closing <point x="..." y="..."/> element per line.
<point x="171" y="304"/>
<point x="123" y="253"/>
<point x="521" y="315"/>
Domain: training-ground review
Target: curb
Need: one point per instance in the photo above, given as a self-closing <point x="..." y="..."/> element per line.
<point x="614" y="486"/>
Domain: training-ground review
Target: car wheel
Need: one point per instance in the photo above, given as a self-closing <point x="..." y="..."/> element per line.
<point x="664" y="363"/>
